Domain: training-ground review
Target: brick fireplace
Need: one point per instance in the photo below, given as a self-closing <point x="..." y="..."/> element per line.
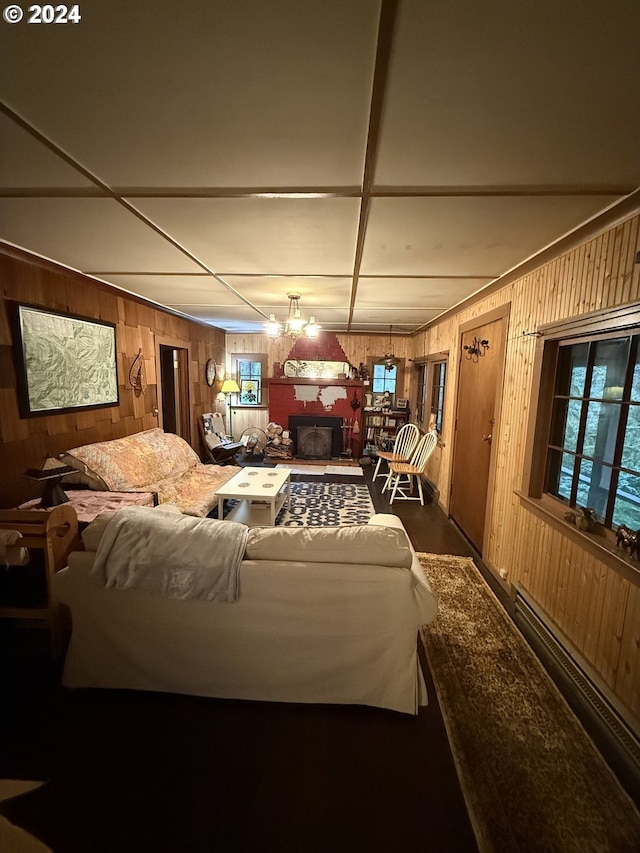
<point x="319" y="402"/>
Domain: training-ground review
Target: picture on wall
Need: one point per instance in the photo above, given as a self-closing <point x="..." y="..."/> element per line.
<point x="65" y="362"/>
<point x="249" y="392"/>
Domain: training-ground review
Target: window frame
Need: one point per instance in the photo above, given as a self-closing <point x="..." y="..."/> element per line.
<point x="598" y="325"/>
<point x="439" y="407"/>
<point x="425" y="368"/>
<point x="400" y="368"/>
<point x="261" y="358"/>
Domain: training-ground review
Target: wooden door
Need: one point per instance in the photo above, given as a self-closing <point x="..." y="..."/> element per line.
<point x="479" y="386"/>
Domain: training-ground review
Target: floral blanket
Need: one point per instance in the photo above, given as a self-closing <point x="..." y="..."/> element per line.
<point x="153" y="461"/>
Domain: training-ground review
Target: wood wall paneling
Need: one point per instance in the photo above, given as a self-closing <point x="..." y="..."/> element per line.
<point x="597" y="610"/>
<point x="27" y="441"/>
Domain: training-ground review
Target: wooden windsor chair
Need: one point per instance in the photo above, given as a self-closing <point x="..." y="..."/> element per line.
<point x="413" y="470"/>
<point x="404" y="445"/>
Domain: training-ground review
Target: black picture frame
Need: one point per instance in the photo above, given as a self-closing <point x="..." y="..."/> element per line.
<point x="65" y="362"/>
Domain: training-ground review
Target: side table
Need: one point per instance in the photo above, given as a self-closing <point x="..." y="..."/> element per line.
<point x="49" y="535"/>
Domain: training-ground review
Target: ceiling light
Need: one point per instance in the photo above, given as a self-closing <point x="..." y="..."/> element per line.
<point x="295" y="325"/>
<point x="389" y="360"/>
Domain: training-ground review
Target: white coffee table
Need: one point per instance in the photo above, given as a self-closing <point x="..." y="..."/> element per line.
<point x="262" y="493"/>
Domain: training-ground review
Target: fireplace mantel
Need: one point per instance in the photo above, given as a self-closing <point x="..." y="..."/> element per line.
<point x="348" y="383"/>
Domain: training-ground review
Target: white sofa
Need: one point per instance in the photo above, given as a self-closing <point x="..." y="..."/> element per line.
<point x="323" y="615"/>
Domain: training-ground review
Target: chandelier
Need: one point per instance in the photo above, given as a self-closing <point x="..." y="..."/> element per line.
<point x="295" y="325"/>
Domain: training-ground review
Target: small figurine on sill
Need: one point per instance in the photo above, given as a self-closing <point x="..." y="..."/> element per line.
<point x="584" y="518"/>
<point x="628" y="539"/>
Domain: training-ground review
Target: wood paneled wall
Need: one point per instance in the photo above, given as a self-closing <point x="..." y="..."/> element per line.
<point x="27" y="441"/>
<point x="595" y="608"/>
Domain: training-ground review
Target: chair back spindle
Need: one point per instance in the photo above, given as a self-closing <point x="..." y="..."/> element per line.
<point x="406" y="440"/>
<point x="412" y="470"/>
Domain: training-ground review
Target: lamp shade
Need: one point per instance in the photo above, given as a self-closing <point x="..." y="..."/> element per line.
<point x="230" y="386"/>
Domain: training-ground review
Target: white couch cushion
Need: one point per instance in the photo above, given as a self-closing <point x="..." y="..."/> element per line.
<point x="354" y="544"/>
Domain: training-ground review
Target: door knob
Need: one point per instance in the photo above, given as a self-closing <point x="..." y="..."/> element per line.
<point x="487" y="438"/>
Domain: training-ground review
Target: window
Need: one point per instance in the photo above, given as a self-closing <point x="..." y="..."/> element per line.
<point x="431" y="378"/>
<point x="438" y="376"/>
<point x="593" y="449"/>
<point x="250" y="370"/>
<point x="383" y="380"/>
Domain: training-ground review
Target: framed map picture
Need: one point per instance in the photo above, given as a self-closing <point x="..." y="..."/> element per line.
<point x="65" y="362"/>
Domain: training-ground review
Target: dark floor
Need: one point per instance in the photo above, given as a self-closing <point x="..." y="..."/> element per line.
<point x="129" y="771"/>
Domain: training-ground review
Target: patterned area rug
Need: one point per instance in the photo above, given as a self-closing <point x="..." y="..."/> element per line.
<point x="531" y="777"/>
<point x="321" y="505"/>
<point x="326" y="505"/>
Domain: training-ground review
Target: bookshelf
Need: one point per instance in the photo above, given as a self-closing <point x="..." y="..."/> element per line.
<point x="381" y="426"/>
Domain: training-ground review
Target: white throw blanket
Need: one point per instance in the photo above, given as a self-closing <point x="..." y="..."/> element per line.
<point x="171" y="554"/>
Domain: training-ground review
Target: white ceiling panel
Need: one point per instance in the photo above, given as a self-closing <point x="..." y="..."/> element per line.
<point x="88" y="234"/>
<point x="25" y="162"/>
<point x="394" y="317"/>
<point x="283" y="236"/>
<point x="481" y="236"/>
<point x="323" y="314"/>
<point x="187" y="289"/>
<point x="204" y="93"/>
<point x="416" y="292"/>
<point x="553" y="84"/>
<point x="385" y="163"/>
<point x="271" y="291"/>
<point x="232" y="318"/>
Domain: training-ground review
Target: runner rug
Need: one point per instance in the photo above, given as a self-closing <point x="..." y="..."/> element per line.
<point x="531" y="777"/>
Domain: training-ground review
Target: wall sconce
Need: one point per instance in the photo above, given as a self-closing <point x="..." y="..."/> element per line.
<point x="477" y="349"/>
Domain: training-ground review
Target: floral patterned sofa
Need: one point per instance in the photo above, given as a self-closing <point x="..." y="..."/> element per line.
<point x="150" y="461"/>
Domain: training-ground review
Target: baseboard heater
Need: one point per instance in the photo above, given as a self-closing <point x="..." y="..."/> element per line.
<point x="606" y="718"/>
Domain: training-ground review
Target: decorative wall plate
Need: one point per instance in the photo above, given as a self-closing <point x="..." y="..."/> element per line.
<point x="136" y="375"/>
<point x="211" y="371"/>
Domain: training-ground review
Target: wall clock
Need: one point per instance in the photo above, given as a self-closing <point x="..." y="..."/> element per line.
<point x="211" y="371"/>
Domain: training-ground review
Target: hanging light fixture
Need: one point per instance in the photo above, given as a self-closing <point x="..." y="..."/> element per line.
<point x="389" y="360"/>
<point x="295" y="325"/>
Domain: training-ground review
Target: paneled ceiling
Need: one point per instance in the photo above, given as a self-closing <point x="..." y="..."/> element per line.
<point x="386" y="160"/>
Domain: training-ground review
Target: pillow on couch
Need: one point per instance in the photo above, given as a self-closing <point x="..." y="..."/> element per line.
<point x="83" y="476"/>
<point x="353" y="544"/>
